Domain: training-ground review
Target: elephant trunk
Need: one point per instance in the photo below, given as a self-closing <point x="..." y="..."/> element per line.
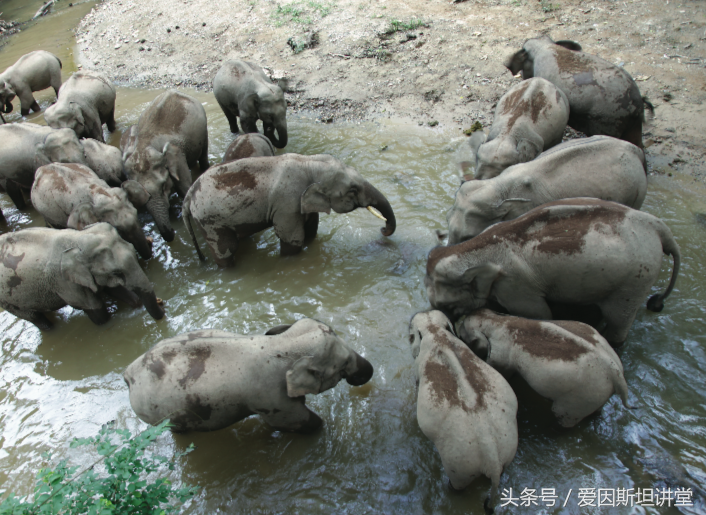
<point x="378" y="201"/>
<point x="364" y="371"/>
<point x="138" y="239"/>
<point x="280" y="142"/>
<point x="158" y="207"/>
<point x="149" y="299"/>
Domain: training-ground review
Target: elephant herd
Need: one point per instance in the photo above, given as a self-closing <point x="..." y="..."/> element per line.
<point x="540" y="224"/>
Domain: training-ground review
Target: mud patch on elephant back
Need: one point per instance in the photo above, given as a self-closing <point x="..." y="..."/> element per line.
<point x="569" y="61"/>
<point x="197" y="365"/>
<point x="11" y="261"/>
<point x="583" y="331"/>
<point x="241" y="148"/>
<point x="233" y="181"/>
<point x="166" y="117"/>
<point x="169" y="356"/>
<point x="515" y="105"/>
<point x="155" y="366"/>
<point x="543" y="342"/>
<point x="96" y="189"/>
<point x="78" y="168"/>
<point x="13" y="282"/>
<point x="539" y="103"/>
<point x="56" y="182"/>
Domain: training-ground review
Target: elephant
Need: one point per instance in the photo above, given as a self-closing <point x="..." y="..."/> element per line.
<point x="25" y="147"/>
<point x="105" y="160"/>
<point x="169" y="138"/>
<point x="71" y="195"/>
<point x="579" y="251"/>
<point x="529" y="118"/>
<point x="242" y="89"/>
<point x="464" y="406"/>
<point x="238" y="199"/>
<point x="46" y="269"/>
<point x="86" y="102"/>
<point x="32" y="72"/>
<point x="565" y="361"/>
<point x="208" y="380"/>
<point x="603" y="98"/>
<point x="600" y="166"/>
<point x="248" y="145"/>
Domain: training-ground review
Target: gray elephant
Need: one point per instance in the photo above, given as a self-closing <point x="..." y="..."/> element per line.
<point x="601" y="167"/>
<point x="248" y="145"/>
<point x="86" y="102"/>
<point x="24" y="147"/>
<point x="35" y="71"/>
<point x="242" y="89"/>
<point x="73" y="196"/>
<point x="603" y="98"/>
<point x="565" y="361"/>
<point x="105" y="160"/>
<point x="529" y="118"/>
<point x="577" y="251"/>
<point x="464" y="406"/>
<point x="44" y="270"/>
<point x="158" y="152"/>
<point x="238" y="199"/>
<point x="208" y="380"/>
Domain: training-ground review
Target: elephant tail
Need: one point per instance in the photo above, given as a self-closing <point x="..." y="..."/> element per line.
<point x="61" y="66"/>
<point x="649" y="107"/>
<point x="621" y="388"/>
<point x="669" y="246"/>
<point x="186" y="213"/>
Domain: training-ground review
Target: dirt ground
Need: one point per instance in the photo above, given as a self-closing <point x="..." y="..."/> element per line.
<point x="427" y="61"/>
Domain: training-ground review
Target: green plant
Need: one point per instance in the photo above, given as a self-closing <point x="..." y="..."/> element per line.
<point x="301" y="12"/>
<point x="548" y="7"/>
<point x="122" y="489"/>
<point x="401" y="26"/>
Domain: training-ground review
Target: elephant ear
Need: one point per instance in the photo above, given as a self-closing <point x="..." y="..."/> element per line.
<point x="81" y="217"/>
<point x="314" y="200"/>
<point x="78" y="114"/>
<point x="571" y="45"/>
<point x="516" y="62"/>
<point x="136" y="193"/>
<point x="278" y="329"/>
<point x="527" y="150"/>
<point x="73" y="270"/>
<point x="40" y="157"/>
<point x="171" y="160"/>
<point x="303" y="378"/>
<point x="481" y="279"/>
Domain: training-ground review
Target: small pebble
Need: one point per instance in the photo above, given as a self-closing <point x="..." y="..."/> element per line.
<point x="168" y="29"/>
<point x="203" y="24"/>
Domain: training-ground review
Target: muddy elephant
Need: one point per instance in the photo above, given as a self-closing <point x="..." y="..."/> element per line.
<point x="578" y="251"/>
<point x="105" y="160"/>
<point x="243" y="90"/>
<point x="248" y="145"/>
<point x="208" y="380"/>
<point x="565" y="361"/>
<point x="238" y="199"/>
<point x="35" y="71"/>
<point x="464" y="406"/>
<point x="600" y="167"/>
<point x="603" y="98"/>
<point x="24" y="147"/>
<point x="44" y="270"/>
<point x="529" y="118"/>
<point x="86" y="102"/>
<point x="159" y="151"/>
<point x="72" y="195"/>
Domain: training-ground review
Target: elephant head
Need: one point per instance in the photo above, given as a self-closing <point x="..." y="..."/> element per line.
<point x="105" y="160"/>
<point x="60" y="146"/>
<point x="471" y="334"/>
<point x="523" y="60"/>
<point x="326" y="360"/>
<point x="341" y="188"/>
<point x="7" y="95"/>
<point x="421" y="321"/>
<point x="101" y="259"/>
<point x="66" y="117"/>
<point x="272" y="110"/>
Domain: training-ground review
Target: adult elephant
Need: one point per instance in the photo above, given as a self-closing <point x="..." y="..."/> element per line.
<point x="238" y="199"/>
<point x="169" y="138"/>
<point x="603" y="98"/>
<point x="242" y="89"/>
<point x="35" y="71"/>
<point x="248" y="145"/>
<point x="86" y="102"/>
<point x="44" y="270"/>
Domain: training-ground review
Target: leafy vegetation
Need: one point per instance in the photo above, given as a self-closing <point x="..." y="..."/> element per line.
<point x="301" y="12"/>
<point x="548" y="7"/>
<point x="123" y="488"/>
<point x="401" y="26"/>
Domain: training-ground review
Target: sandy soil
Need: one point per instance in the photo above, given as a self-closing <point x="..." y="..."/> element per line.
<point x="446" y="73"/>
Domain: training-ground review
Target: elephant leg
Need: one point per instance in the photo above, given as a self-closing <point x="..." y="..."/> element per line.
<point x="223" y="245"/>
<point x="203" y="159"/>
<point x="38" y="319"/>
<point x="15" y="192"/>
<point x="287" y="249"/>
<point x="110" y="122"/>
<point x="527" y="306"/>
<point x="297" y="419"/>
<point x="98" y="316"/>
<point x="123" y="294"/>
<point x="232" y="118"/>
<point x="311" y="225"/>
<point x="619" y="313"/>
<point x="35" y="107"/>
<point x="633" y="134"/>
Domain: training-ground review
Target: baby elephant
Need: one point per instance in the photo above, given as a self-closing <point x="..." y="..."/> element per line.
<point x="567" y="362"/>
<point x="32" y="72"/>
<point x="86" y="102"/>
<point x="248" y="145"/>
<point x="529" y="118"/>
<point x="464" y="406"/>
<point x="209" y="380"/>
<point x="600" y="167"/>
<point x="71" y="195"/>
<point x="46" y="269"/>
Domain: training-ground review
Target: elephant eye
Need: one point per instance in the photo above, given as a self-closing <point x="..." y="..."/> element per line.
<point x="411" y="339"/>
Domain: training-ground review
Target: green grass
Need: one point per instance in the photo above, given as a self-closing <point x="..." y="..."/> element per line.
<point x="402" y="26"/>
<point x="301" y="13"/>
<point x="548" y="7"/>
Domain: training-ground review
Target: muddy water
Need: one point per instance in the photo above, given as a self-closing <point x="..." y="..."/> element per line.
<point x="370" y="456"/>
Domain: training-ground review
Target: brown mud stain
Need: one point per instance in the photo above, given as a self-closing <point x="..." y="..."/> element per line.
<point x="155" y="366"/>
<point x="583" y="331"/>
<point x="233" y="181"/>
<point x="540" y="341"/>
<point x="197" y="365"/>
<point x="572" y="62"/>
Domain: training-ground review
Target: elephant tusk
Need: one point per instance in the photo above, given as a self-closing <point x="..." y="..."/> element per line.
<point x="377" y="213"/>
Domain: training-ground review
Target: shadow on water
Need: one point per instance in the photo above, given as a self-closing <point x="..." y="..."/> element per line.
<point x="370" y="456"/>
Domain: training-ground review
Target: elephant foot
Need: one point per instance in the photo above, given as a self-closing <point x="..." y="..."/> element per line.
<point x="41" y="321"/>
<point x="287" y="249"/>
<point x="98" y="316"/>
<point x="35" y="107"/>
<point x="311" y="226"/>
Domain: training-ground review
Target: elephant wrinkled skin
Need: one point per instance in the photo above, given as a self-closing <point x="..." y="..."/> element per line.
<point x="208" y="380"/>
<point x="577" y="251"/>
<point x="464" y="406"/>
<point x="243" y="90"/>
<point x="238" y="199"/>
<point x="44" y="270"/>
<point x="565" y="361"/>
<point x="158" y="151"/>
<point x="35" y="71"/>
<point x="600" y="167"/>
